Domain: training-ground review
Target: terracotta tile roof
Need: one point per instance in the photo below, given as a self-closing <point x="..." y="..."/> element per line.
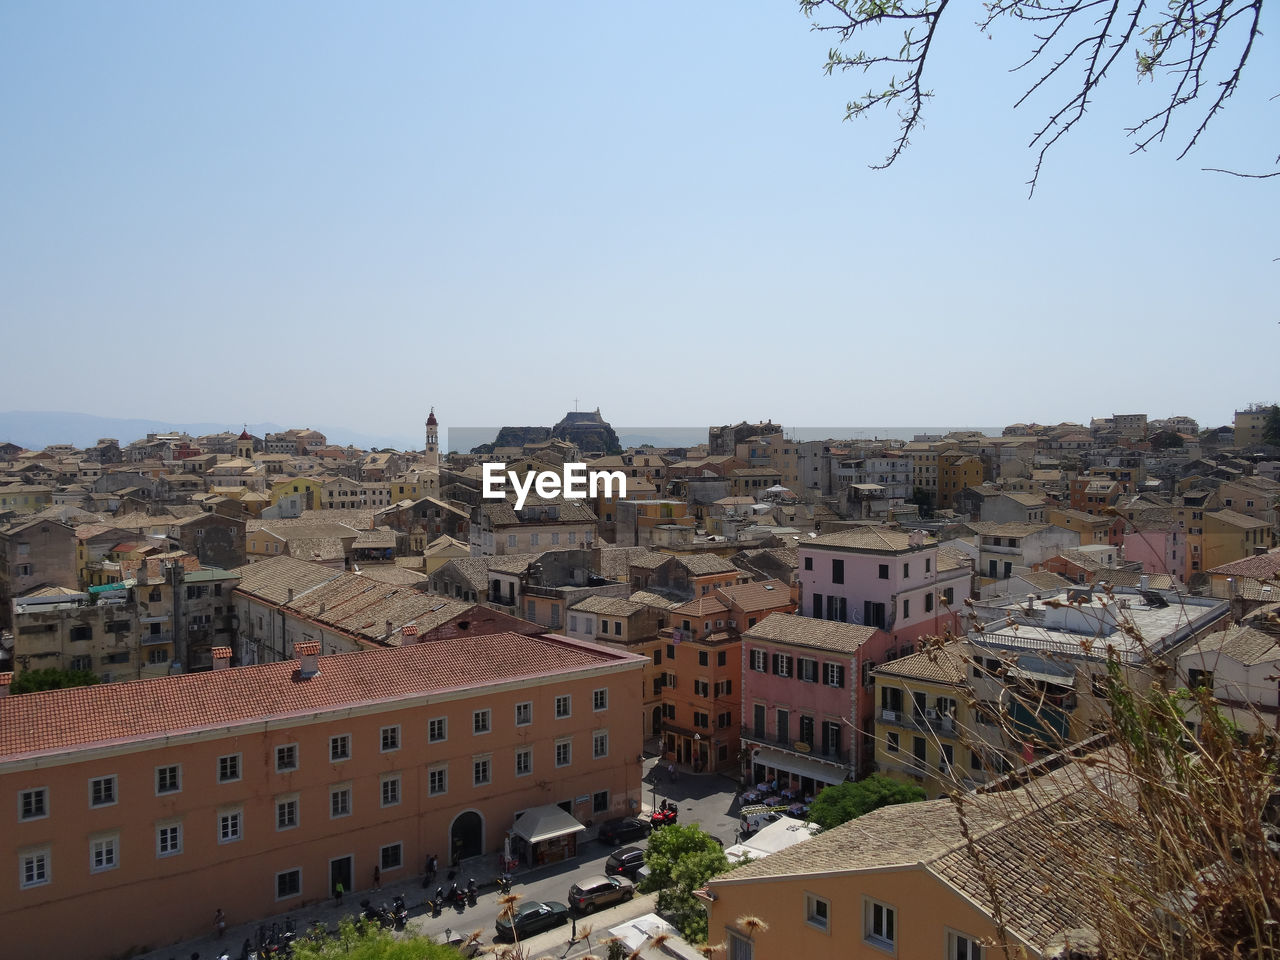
<point x="761" y="595"/>
<point x="608" y="606"/>
<point x="648" y="560"/>
<point x="55" y="721"/>
<point x="1014" y="529"/>
<point x="879" y="539"/>
<point x="615" y="562"/>
<point x="1244" y="644"/>
<point x="949" y="558"/>
<point x="271" y="580"/>
<point x="701" y="607"/>
<point x="939" y="665"/>
<point x="653" y="600"/>
<point x="391" y="573"/>
<point x="706" y="565"/>
<point x="790" y="628"/>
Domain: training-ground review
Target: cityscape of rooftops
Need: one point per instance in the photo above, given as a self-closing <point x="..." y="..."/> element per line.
<point x="380" y="585"/>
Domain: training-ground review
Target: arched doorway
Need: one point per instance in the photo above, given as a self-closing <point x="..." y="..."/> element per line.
<point x="656" y="730"/>
<point x="466" y="836"/>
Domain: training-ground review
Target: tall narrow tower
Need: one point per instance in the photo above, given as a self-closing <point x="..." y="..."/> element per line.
<point x="433" y="441"/>
<point x="244" y="445"/>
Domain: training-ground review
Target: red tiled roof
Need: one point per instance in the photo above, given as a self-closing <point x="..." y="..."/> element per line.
<point x="55" y="721"/>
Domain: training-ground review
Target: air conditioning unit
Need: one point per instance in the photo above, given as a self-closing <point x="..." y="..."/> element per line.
<point x="930" y="713"/>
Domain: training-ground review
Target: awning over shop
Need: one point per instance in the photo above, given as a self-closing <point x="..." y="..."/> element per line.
<point x="800" y="766"/>
<point x="543" y="823"/>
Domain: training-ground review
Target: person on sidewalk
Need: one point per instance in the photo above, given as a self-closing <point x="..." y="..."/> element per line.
<point x="219" y="923"/>
<point x="377" y="877"/>
<point x="338" y="891"/>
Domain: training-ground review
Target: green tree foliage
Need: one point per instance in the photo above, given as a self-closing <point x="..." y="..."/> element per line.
<point x="1271" y="428"/>
<point x="365" y="941"/>
<point x="51" y="678"/>
<point x="842" y="802"/>
<point x="681" y="859"/>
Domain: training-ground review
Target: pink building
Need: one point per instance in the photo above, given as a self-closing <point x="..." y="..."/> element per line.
<point x="898" y="582"/>
<point x="136" y="809"/>
<point x="807" y="699"/>
<point x="1160" y="548"/>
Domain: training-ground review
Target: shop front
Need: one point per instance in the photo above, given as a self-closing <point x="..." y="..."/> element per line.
<point x="545" y="835"/>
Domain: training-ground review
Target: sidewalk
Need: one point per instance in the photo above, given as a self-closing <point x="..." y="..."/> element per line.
<point x="555" y="944"/>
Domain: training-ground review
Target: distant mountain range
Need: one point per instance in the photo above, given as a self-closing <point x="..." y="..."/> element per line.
<point x="37" y="429"/>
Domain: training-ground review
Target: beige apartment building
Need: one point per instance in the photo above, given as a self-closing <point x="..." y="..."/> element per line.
<point x="131" y="803"/>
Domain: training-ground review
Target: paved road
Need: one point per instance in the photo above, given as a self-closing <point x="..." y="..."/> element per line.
<point x="707" y="800"/>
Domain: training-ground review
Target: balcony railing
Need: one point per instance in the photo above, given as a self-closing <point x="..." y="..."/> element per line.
<point x="929" y="721"/>
<point x="791" y="745"/>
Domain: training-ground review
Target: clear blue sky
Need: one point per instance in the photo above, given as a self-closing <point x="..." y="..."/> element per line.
<point x="340" y="214"/>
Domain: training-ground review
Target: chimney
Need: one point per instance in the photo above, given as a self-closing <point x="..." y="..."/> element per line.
<point x="389" y="628"/>
<point x="308" y="653"/>
<point x="221" y="658"/>
<point x="290" y="600"/>
<point x="5" y="680"/>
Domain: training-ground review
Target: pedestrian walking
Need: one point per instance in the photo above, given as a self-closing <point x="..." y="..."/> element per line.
<point x="219" y="923"/>
<point x="377" y="877"/>
<point x="338" y="891"/>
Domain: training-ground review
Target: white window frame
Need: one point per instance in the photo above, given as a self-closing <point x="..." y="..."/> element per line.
<point x="567" y="744"/>
<point x="288" y="798"/>
<point x="394" y="730"/>
<point x="431" y="730"/>
<point x="340" y="740"/>
<point x="386" y="779"/>
<point x="443" y="770"/>
<point x="974" y="949"/>
<point x="285" y="873"/>
<point x="597" y="738"/>
<point x="44" y="858"/>
<point x="525" y="753"/>
<point x="115" y="790"/>
<point x="44" y="803"/>
<point x="811" y="903"/>
<point x="880" y="942"/>
<point x="296" y="757"/>
<point x="527" y="707"/>
<point x="236" y="813"/>
<point x="599" y="699"/>
<point x="565" y="700"/>
<point x="340" y="790"/>
<point x="168" y="766"/>
<point x="481" y="722"/>
<point x="162" y="832"/>
<point x="104" y="842"/>
<point x="239" y="764"/>
<point x="487" y="760"/>
<point x="382" y="857"/>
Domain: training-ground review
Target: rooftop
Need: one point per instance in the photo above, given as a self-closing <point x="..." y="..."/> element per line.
<point x="146" y="710"/>
<point x="789" y="628"/>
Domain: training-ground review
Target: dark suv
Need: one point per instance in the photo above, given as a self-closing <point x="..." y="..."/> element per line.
<point x="626" y="861"/>
<point x="623" y="831"/>
<point x="591" y="893"/>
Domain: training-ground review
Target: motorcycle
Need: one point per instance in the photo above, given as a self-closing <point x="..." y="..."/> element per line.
<point x="504" y="883"/>
<point x="667" y="812"/>
<point x="379" y="915"/>
<point x="473" y="892"/>
<point x="436" y="905"/>
<point x="458" y="896"/>
<point x="399" y="911"/>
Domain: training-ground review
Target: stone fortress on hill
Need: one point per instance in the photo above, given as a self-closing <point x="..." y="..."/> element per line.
<point x="586" y="430"/>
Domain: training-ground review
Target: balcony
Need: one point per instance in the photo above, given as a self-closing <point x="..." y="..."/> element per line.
<point x="928" y="722"/>
<point x="832" y="754"/>
<point x="155" y="639"/>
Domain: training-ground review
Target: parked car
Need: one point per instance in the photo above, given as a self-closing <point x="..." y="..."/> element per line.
<point x="532" y="917"/>
<point x="591" y="893"/>
<point x="625" y="861"/>
<point x="623" y="830"/>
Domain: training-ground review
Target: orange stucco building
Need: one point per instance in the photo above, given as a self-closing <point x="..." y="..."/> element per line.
<point x="138" y="808"/>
